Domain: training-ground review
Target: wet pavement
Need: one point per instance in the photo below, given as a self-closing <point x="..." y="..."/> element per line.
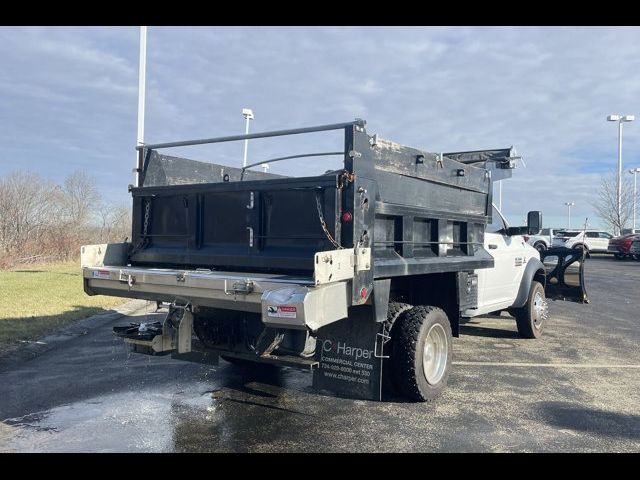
<point x="575" y="389"/>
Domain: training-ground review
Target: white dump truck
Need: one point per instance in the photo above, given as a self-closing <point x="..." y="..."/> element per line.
<point x="361" y="275"/>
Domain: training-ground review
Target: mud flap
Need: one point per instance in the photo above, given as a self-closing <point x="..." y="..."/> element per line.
<point x="350" y="356"/>
<point x="564" y="268"/>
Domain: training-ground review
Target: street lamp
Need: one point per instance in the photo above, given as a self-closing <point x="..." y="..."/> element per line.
<point x="620" y="119"/>
<point x="142" y="75"/>
<point x="569" y="205"/>
<point x="248" y="115"/>
<point x="634" y="199"/>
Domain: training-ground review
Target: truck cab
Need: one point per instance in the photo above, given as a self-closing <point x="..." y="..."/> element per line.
<point x="517" y="282"/>
<point x="498" y="286"/>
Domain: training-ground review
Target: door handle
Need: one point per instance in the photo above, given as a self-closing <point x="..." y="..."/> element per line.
<point x="492" y="246"/>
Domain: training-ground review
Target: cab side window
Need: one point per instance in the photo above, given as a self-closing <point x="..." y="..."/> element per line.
<point x="496" y="224"/>
<point x="605" y="235"/>
<point x="592" y="235"/>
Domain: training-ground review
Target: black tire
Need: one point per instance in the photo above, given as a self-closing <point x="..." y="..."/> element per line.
<point x="540" y="246"/>
<point x="389" y="384"/>
<point x="636" y="257"/>
<point x="529" y="319"/>
<point x="410" y="332"/>
<point x="619" y="256"/>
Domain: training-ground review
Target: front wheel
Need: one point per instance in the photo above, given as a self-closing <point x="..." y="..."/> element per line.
<point x="422" y="352"/>
<point x="531" y="318"/>
<point x="619" y="256"/>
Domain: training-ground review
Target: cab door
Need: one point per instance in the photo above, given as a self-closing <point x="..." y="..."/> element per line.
<point x="500" y="284"/>
<point x="564" y="268"/>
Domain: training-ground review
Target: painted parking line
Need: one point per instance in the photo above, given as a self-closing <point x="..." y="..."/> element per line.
<point x="545" y="365"/>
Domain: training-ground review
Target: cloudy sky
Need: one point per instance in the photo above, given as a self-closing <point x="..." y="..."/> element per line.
<point x="68" y="98"/>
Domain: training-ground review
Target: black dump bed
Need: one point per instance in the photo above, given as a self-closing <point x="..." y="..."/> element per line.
<point x="419" y="212"/>
<point x="254" y="225"/>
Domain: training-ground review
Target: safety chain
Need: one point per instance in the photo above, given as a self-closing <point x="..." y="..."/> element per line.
<point x="145" y="225"/>
<point x="147" y="210"/>
<point x="323" y="224"/>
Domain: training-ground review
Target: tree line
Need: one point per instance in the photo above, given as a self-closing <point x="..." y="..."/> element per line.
<point x="42" y="221"/>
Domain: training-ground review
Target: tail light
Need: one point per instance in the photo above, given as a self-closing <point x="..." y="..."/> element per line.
<point x="626" y="243"/>
<point x="525" y="237"/>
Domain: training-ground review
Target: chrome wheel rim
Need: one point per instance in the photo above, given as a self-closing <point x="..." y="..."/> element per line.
<point x="434" y="354"/>
<point x="540" y="310"/>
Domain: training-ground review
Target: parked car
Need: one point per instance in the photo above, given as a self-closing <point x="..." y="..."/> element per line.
<point x="621" y="246"/>
<point x="543" y="240"/>
<point x="591" y="240"/>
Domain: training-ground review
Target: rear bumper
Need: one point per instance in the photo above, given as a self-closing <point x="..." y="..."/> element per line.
<point x="283" y="301"/>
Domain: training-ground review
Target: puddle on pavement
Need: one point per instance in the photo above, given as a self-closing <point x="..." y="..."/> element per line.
<point x="193" y="418"/>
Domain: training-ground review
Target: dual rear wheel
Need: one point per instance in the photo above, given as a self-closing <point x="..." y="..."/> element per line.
<point x="421" y="350"/>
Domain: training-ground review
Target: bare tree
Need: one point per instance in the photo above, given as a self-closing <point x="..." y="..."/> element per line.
<point x="81" y="197"/>
<point x="114" y="223"/>
<point x="606" y="203"/>
<point x="42" y="221"/>
<point x="27" y="209"/>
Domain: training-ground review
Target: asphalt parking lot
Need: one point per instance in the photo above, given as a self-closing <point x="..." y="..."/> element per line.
<point x="575" y="389"/>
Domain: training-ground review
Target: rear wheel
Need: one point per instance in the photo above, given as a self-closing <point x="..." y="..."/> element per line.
<point x="388" y="379"/>
<point x="619" y="256"/>
<point x="531" y="318"/>
<point x="422" y="351"/>
<point x="636" y="258"/>
<point x="540" y="246"/>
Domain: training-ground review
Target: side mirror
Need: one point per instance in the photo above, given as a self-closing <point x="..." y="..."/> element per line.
<point x="534" y="222"/>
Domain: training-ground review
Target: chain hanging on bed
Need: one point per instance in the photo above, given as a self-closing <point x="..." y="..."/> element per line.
<point x="142" y="243"/>
<point x="323" y="224"/>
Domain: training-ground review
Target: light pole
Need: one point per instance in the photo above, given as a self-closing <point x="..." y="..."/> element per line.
<point x="620" y="119"/>
<point x="248" y="116"/>
<point x="634" y="199"/>
<point x="142" y="71"/>
<point x="569" y="205"/>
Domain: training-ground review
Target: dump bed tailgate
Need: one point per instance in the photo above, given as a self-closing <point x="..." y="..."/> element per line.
<point x="267" y="225"/>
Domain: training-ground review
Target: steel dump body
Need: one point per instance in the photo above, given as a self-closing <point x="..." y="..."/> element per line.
<point x="419" y="212"/>
<point x="301" y="271"/>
